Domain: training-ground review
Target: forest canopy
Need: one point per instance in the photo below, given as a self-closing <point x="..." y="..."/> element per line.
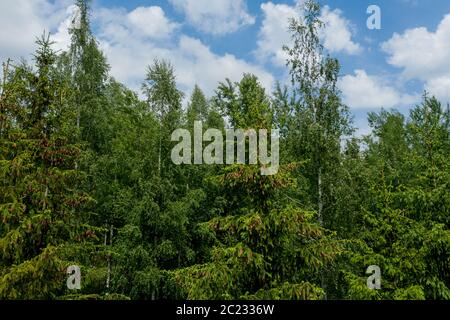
<point x="87" y="180"/>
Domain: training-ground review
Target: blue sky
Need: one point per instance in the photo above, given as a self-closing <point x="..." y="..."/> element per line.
<point x="208" y="40"/>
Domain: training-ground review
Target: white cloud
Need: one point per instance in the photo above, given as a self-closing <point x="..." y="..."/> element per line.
<point x="216" y="17"/>
<point x="361" y="91"/>
<point x="62" y="37"/>
<point x="440" y="87"/>
<point x="338" y="32"/>
<point x="203" y="66"/>
<point x="129" y="52"/>
<point x="22" y="21"/>
<point x="142" y="23"/>
<point x="131" y="40"/>
<point x="274" y="32"/>
<point x="152" y="22"/>
<point x="423" y="55"/>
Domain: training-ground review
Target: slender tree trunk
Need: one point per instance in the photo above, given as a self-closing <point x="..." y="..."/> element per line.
<point x="2" y="93"/>
<point x="5" y="75"/>
<point x="320" y="197"/>
<point x="159" y="152"/>
<point x="108" y="278"/>
<point x="153" y="297"/>
<point x="320" y="220"/>
<point x="159" y="158"/>
<point x="45" y="197"/>
<point x="78" y="129"/>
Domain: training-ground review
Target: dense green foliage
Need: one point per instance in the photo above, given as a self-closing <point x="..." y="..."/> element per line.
<point x="86" y="179"/>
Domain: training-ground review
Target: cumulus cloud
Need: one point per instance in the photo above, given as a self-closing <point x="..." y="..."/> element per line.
<point x="132" y="39"/>
<point x="61" y="38"/>
<point x="22" y="21"/>
<point x="274" y="32"/>
<point x="143" y="23"/>
<point x="152" y="22"/>
<point x="423" y="55"/>
<point x="440" y="87"/>
<point x="419" y="52"/>
<point x="338" y="32"/>
<point x="129" y="52"/>
<point x="217" y="17"/>
<point x="199" y="62"/>
<point x="362" y="91"/>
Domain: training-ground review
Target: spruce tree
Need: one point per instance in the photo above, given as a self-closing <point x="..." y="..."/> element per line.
<point x="263" y="248"/>
<point x="42" y="226"/>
